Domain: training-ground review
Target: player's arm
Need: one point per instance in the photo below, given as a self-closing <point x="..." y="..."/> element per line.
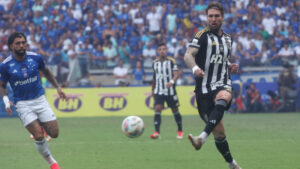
<point x="172" y="81"/>
<point x="53" y="81"/>
<point x="153" y="84"/>
<point x="189" y="59"/>
<point x="6" y="101"/>
<point x="233" y="68"/>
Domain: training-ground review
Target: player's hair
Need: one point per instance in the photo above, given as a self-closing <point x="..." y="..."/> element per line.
<point x="13" y="36"/>
<point x="215" y="5"/>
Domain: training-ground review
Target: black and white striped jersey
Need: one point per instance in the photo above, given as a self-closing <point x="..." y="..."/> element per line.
<point x="213" y="58"/>
<point x="162" y="74"/>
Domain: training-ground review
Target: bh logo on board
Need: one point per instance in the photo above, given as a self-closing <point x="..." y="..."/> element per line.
<point x="72" y="104"/>
<point x="113" y="101"/>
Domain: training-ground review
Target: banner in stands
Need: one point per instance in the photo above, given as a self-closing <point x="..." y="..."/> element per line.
<point x="115" y="101"/>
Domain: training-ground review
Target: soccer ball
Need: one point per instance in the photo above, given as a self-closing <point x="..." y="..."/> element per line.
<point x="133" y="126"/>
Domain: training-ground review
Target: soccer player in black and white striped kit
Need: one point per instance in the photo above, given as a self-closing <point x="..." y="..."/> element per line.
<point x="208" y="56"/>
<point x="163" y="89"/>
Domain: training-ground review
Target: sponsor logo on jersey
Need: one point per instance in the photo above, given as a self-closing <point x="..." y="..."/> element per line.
<point x="25" y="82"/>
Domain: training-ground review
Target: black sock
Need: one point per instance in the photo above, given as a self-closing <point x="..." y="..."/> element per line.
<point x="157" y="121"/>
<point x="178" y="120"/>
<point x="223" y="147"/>
<point x="216" y="116"/>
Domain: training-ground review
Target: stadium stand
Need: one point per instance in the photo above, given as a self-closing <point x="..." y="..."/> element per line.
<point x="81" y="39"/>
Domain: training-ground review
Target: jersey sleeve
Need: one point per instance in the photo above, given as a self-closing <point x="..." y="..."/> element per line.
<point x="3" y="73"/>
<point x="174" y="65"/>
<point x="154" y="73"/>
<point x="199" y="39"/>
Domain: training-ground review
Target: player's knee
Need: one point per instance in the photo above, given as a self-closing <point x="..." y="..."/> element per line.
<point x="38" y="136"/>
<point x="221" y="102"/>
<point x="158" y="107"/>
<point x="219" y="135"/>
<point x="220" y="139"/>
<point x="175" y="110"/>
<point x="53" y="134"/>
<point x="223" y="95"/>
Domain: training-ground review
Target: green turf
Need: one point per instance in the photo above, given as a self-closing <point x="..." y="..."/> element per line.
<point x="257" y="141"/>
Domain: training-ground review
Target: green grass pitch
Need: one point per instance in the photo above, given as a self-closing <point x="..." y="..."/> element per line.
<point x="257" y="141"/>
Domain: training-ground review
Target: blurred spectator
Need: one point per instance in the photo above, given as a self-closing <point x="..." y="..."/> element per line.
<point x="135" y="55"/>
<point x="181" y="80"/>
<point x="85" y="81"/>
<point x="74" y="69"/>
<point x="253" y="56"/>
<point x="84" y="56"/>
<point x="275" y="60"/>
<point x="237" y="105"/>
<point x="111" y="55"/>
<point x="253" y="99"/>
<point x="171" y="21"/>
<point x="286" y="53"/>
<point x="265" y="54"/>
<point x="98" y="60"/>
<point x="201" y="6"/>
<point x="120" y="74"/>
<point x="4" y="52"/>
<point x="274" y="104"/>
<point x="138" y="74"/>
<point x="287" y="90"/>
<point x="124" y="53"/>
<point x="269" y="23"/>
<point x="149" y="54"/>
<point x="172" y="47"/>
<point x="154" y="19"/>
<point x="108" y="31"/>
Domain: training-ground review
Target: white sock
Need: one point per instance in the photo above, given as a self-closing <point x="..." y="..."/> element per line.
<point x="203" y="135"/>
<point x="43" y="148"/>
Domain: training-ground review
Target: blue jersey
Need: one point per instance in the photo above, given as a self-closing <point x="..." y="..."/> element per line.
<point x="24" y="77"/>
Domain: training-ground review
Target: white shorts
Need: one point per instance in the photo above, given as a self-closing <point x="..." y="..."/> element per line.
<point x="30" y="110"/>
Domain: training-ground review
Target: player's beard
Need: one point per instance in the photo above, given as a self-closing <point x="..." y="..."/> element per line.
<point x="215" y="28"/>
<point x="20" y="53"/>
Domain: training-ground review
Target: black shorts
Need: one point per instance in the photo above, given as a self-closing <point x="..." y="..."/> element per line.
<point x="206" y="103"/>
<point x="172" y="101"/>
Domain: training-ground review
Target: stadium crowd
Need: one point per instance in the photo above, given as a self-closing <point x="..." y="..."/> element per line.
<point x="96" y="34"/>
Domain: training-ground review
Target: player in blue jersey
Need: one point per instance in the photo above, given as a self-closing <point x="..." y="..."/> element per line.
<point x="21" y="71"/>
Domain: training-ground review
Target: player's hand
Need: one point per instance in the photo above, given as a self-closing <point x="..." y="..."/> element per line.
<point x="8" y="109"/>
<point x="61" y="94"/>
<point x="199" y="73"/>
<point x="234" y="68"/>
<point x="169" y="84"/>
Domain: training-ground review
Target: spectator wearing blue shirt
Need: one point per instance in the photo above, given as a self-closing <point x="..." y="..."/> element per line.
<point x="253" y="56"/>
<point x="274" y="57"/>
<point x="138" y="74"/>
<point x="135" y="55"/>
<point x="98" y="59"/>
